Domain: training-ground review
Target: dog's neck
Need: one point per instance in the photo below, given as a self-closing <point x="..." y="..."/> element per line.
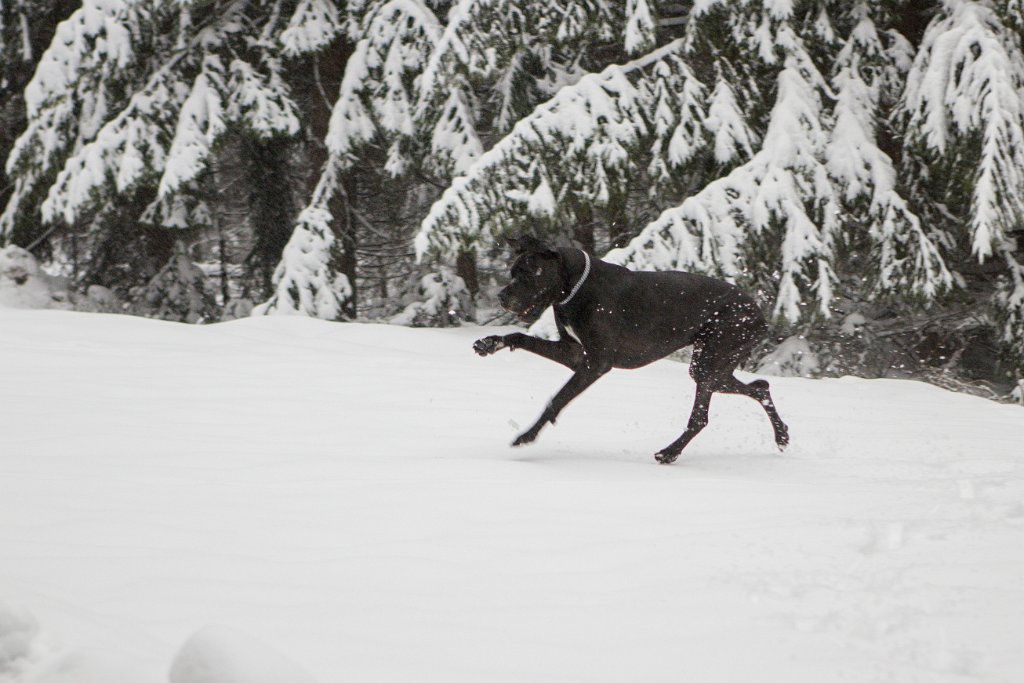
<point x="579" y="283"/>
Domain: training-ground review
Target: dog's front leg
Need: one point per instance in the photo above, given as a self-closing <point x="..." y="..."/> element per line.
<point x="568" y="353"/>
<point x="583" y="378"/>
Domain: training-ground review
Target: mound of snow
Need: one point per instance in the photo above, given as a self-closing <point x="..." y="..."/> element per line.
<point x="792" y="358"/>
<point x="221" y="655"/>
<point x="22" y="283"/>
<point x="19" y="633"/>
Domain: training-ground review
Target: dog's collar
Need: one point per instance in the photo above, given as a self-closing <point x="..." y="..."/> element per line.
<point x="583" y="278"/>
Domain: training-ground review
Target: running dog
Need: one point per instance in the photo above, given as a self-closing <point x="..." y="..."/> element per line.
<point x="611" y="317"/>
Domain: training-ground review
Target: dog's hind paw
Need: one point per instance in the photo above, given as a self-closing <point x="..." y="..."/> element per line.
<point x="665" y="457"/>
<point x="782" y="440"/>
<point x="525" y="438"/>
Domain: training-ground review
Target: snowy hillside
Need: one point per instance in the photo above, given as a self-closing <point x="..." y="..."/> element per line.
<point x="281" y="499"/>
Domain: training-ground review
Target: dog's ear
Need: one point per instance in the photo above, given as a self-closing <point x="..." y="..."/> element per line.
<point x="528" y="243"/>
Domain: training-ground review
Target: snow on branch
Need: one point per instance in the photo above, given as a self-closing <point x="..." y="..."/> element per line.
<point x="640" y="27"/>
<point x="260" y="101"/>
<point x="114" y="116"/>
<point x="200" y="123"/>
<point x="123" y="150"/>
<point x="377" y="90"/>
<point x="963" y="102"/>
<point x="67" y="98"/>
<point x="907" y="259"/>
<point x="580" y="144"/>
<point x="782" y="197"/>
<point x="481" y="36"/>
<point x="312" y="26"/>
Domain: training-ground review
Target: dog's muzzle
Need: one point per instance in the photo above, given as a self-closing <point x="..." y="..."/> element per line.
<point x="513" y="305"/>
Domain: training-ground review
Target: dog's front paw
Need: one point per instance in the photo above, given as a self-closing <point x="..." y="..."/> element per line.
<point x="489" y="345"/>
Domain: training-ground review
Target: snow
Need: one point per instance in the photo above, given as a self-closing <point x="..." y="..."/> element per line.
<point x="792" y="358"/>
<point x="709" y="229"/>
<point x="18" y="633"/>
<point x="312" y="26"/>
<point x="200" y="123"/>
<point x="589" y="127"/>
<point x="23" y="284"/>
<point x="966" y="81"/>
<point x="640" y="28"/>
<point x="339" y="501"/>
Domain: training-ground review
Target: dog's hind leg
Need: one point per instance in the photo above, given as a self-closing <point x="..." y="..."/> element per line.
<point x="759" y="391"/>
<point x="724" y="342"/>
<point x="698" y="421"/>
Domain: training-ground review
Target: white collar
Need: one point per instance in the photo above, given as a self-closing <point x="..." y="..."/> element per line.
<point x="583" y="278"/>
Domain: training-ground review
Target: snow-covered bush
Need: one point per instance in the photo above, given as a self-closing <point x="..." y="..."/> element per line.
<point x="441" y="300"/>
<point x="178" y="292"/>
<point x="792" y="358"/>
<point x="23" y="284"/>
<point x="99" y="299"/>
<point x="237" y="308"/>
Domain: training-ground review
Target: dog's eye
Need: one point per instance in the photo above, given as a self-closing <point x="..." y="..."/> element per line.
<point x="538" y="272"/>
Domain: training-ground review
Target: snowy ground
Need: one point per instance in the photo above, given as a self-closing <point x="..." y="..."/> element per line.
<point x="319" y="502"/>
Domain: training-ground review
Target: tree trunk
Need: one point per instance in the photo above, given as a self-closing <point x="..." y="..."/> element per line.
<point x="583" y="231"/>
<point x="465" y="267"/>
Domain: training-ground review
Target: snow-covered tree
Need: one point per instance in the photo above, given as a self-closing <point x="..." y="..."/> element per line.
<point x="902" y="256"/>
<point x="26" y="28"/>
<point x="423" y="91"/>
<point x="773" y="214"/>
<point x="441" y="300"/>
<point x="128" y="104"/>
<point x="963" y="112"/>
<point x="578" y="148"/>
<point x="375" y="105"/>
<point x="807" y="150"/>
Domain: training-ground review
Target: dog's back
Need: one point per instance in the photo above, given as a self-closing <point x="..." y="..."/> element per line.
<point x="648" y="315"/>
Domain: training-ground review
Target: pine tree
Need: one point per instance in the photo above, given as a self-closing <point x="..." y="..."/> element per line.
<point x="375" y="104"/>
<point x="964" y="120"/>
<point x="577" y="149"/>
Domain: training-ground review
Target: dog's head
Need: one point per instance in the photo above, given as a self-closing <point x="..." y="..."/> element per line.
<point x="538" y="278"/>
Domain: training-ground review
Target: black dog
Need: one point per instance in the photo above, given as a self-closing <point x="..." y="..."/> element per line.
<point x="611" y="317"/>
